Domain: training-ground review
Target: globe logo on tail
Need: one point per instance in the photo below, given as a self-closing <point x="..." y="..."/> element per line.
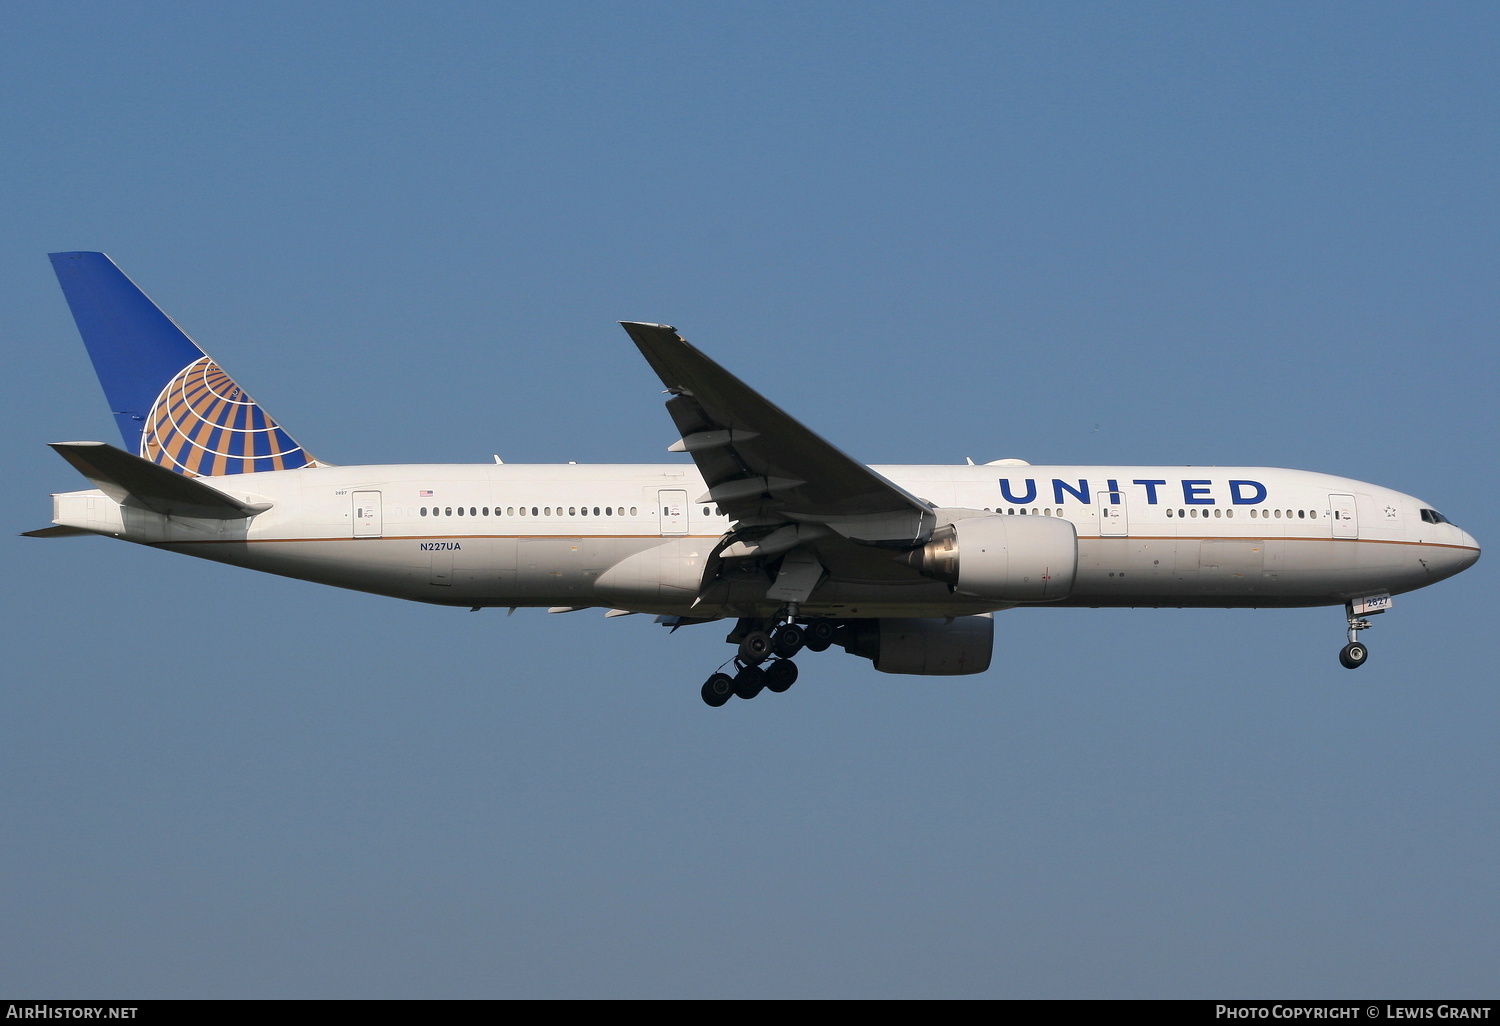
<point x="203" y="424"/>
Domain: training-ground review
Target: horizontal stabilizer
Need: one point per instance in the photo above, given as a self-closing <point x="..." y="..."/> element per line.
<point x="56" y="531"/>
<point x="130" y="479"/>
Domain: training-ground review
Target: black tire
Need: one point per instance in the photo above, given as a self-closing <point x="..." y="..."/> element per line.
<point x="1353" y="655"/>
<point x="755" y="647"/>
<point x="749" y="681"/>
<point x="789" y="640"/>
<point x="781" y="675"/>
<point x="819" y="635"/>
<point x="718" y="689"/>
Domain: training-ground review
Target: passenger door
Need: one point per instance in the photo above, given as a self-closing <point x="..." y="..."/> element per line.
<point x="1113" y="519"/>
<point x="367" y="514"/>
<point x="1345" y="517"/>
<point x="672" y="510"/>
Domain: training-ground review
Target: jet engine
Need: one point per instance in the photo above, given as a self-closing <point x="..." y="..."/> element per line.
<point x="932" y="647"/>
<point x="1005" y="558"/>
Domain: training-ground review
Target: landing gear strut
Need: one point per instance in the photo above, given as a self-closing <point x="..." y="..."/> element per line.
<point x="1354" y="654"/>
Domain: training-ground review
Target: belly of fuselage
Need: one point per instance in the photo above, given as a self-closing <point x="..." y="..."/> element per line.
<point x="561" y="571"/>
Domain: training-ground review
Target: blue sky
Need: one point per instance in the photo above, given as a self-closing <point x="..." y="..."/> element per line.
<point x="1090" y="233"/>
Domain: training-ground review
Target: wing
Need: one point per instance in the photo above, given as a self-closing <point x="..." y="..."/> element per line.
<point x="763" y="468"/>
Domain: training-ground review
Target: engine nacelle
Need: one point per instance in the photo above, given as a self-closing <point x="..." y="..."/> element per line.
<point x="1005" y="558"/>
<point x="932" y="647"/>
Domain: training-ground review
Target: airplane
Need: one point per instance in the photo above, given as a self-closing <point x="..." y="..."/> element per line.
<point x="769" y="527"/>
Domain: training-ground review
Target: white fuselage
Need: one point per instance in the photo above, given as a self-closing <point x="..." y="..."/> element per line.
<point x="519" y="535"/>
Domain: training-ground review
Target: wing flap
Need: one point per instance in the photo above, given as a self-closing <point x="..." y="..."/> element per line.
<point x="763" y="466"/>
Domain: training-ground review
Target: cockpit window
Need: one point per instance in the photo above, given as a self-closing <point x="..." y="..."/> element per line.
<point x="1432" y="516"/>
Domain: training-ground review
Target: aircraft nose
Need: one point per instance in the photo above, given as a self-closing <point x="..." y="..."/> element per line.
<point x="1470" y="554"/>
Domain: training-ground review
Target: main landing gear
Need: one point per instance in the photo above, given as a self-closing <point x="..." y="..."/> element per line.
<point x="1354" y="654"/>
<point x="764" y="660"/>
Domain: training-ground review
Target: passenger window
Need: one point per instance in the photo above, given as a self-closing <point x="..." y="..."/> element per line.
<point x="632" y="511"/>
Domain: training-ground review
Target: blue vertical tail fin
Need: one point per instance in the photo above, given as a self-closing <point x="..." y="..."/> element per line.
<point x="173" y="404"/>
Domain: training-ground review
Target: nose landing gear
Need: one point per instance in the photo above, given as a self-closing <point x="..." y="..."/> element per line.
<point x="1353" y="655"/>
